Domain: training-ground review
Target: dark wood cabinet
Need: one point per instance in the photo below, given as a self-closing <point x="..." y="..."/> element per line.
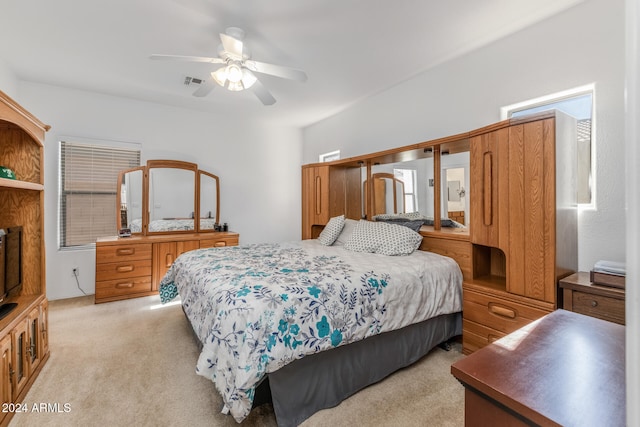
<point x="580" y="295"/>
<point x="565" y="369"/>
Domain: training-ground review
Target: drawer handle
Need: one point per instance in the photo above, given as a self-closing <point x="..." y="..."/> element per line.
<point x="124" y="285"/>
<point x="125" y="251"/>
<point x="218" y="244"/>
<point x="594" y="303"/>
<point x="124" y="268"/>
<point x="502" y="311"/>
<point x="168" y="260"/>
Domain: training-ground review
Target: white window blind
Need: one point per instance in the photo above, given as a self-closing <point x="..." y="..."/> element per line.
<point x="88" y="181"/>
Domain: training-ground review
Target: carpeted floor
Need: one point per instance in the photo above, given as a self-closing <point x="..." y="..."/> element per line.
<point x="133" y="363"/>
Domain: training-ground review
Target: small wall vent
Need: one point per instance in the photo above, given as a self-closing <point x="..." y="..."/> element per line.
<point x="192" y="81"/>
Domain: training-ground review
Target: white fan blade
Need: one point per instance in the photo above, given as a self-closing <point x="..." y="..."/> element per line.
<point x="232" y="46"/>
<point x="262" y="93"/>
<point x="276" y="70"/>
<point x="205" y="88"/>
<point x="189" y="58"/>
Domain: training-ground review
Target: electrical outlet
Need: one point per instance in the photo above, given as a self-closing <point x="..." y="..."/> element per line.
<point x="75" y="272"/>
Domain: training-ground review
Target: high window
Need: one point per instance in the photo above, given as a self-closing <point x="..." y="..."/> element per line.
<point x="579" y="104"/>
<point x="88" y="181"/>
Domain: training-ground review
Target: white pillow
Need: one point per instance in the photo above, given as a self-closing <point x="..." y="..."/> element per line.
<point x="347" y="231"/>
<point x="383" y="238"/>
<point x="331" y="230"/>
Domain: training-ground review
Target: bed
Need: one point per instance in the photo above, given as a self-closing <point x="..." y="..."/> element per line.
<point x="311" y="323"/>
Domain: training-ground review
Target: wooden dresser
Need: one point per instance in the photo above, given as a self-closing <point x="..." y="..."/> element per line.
<point x="582" y="296"/>
<point x="132" y="267"/>
<point x="565" y="369"/>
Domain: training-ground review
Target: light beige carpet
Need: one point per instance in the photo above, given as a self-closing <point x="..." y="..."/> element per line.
<point x="132" y="363"/>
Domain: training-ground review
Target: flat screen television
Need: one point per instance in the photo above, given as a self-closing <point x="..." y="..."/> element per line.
<point x="10" y="267"/>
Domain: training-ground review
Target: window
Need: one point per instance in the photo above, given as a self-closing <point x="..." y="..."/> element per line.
<point x="408" y="177"/>
<point x="329" y="157"/>
<point x="579" y="104"/>
<point x="88" y="180"/>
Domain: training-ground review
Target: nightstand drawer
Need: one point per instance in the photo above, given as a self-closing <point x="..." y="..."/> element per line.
<point x="108" y="254"/>
<point x="599" y="306"/>
<point x="127" y="286"/>
<point x="496" y="313"/>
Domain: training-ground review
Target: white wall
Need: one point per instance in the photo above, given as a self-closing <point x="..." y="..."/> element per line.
<point x="258" y="165"/>
<point x="8" y="81"/>
<point x="582" y="45"/>
<point x="633" y="210"/>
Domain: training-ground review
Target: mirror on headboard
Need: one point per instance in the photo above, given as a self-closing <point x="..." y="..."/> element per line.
<point x="404" y="184"/>
<point x="168" y="196"/>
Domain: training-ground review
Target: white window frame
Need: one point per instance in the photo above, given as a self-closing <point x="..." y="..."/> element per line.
<point x="507" y="111"/>
<point x="329" y="157"/>
<point x="63" y="193"/>
<point x="408" y="195"/>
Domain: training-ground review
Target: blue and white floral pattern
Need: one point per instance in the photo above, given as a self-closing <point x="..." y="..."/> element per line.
<point x="258" y="307"/>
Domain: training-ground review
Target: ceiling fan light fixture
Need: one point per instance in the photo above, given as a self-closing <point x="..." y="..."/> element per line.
<point x="234" y="72"/>
<point x="234" y="77"/>
<point x="220" y="76"/>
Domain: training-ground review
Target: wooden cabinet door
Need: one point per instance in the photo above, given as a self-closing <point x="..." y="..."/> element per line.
<point x="34" y="348"/>
<point x="44" y="327"/>
<point x="20" y="357"/>
<point x="531" y="255"/>
<point x="315" y="198"/>
<point x="489" y="208"/>
<point x="164" y="253"/>
<point x="5" y="371"/>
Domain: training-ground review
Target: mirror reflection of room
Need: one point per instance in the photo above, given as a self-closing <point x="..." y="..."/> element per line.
<point x="131" y="201"/>
<point x="454" y="200"/>
<point x="171" y="198"/>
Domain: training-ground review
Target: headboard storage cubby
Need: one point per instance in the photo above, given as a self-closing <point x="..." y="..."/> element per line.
<point x="513" y="182"/>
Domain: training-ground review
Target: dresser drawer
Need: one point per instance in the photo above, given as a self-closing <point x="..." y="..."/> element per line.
<point x="606" y="308"/>
<point x="125" y="286"/>
<point x="476" y="336"/>
<point x="122" y="270"/>
<point x="496" y="313"/>
<point x="117" y="253"/>
<point x="215" y="243"/>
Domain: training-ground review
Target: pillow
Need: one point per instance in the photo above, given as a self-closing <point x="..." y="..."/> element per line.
<point x="347" y="231"/>
<point x="413" y="225"/>
<point x="383" y="238"/>
<point x="331" y="230"/>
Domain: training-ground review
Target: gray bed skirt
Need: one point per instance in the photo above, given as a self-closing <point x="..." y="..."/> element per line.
<point x="323" y="380"/>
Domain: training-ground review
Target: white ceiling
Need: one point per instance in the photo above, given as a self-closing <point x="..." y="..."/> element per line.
<point x="349" y="49"/>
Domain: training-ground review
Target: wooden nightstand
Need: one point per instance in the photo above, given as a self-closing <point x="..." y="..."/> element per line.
<point x="581" y="296"/>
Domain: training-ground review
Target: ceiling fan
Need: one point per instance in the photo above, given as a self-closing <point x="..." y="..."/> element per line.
<point x="236" y="68"/>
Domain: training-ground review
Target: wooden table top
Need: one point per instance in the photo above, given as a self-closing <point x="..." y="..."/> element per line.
<point x="564" y="369"/>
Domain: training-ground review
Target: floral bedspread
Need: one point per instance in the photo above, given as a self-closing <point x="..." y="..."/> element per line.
<point x="258" y="307"/>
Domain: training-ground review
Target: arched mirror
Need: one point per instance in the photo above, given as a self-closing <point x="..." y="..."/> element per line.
<point x="168" y="196"/>
<point x="130" y="199"/>
<point x="209" y="200"/>
<point x="172" y="196"/>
